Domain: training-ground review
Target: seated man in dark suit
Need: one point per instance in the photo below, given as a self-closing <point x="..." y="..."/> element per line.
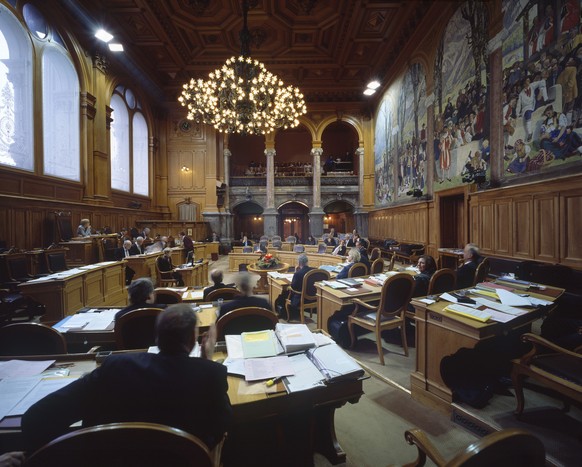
<point x="353" y="257"/>
<point x="124" y="252"/>
<point x="169" y="388"/>
<point x="246" y="299"/>
<point x="297" y="284"/>
<point x="466" y="273"/>
<point x="141" y="295"/>
<point x="138" y="247"/>
<point x="246" y="241"/>
<point x="165" y="265"/>
<point x="362" y="247"/>
<point x="216" y="276"/>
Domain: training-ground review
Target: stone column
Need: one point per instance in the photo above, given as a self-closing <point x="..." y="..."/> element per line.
<point x="316" y="213"/>
<point x="226" y="224"/>
<point x="270" y="213"/>
<point x="227" y="156"/>
<point x="360" y="215"/>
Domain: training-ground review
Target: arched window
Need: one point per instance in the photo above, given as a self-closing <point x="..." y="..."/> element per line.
<point x="60" y="105"/>
<point x="16" y="87"/>
<point x="129" y="144"/>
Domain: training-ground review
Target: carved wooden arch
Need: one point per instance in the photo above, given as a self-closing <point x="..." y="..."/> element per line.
<point x="352" y="121"/>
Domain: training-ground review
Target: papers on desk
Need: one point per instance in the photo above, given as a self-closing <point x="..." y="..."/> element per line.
<point x="197" y="294"/>
<point x="331" y="267"/>
<point x="335" y="284"/>
<point x="294" y="337"/>
<point x="22" y="368"/>
<point x="259" y="344"/>
<point x="18" y="394"/>
<point x="468" y="312"/>
<point x="334" y="363"/>
<point x="512" y="299"/>
<point x="91" y="321"/>
<point x="278" y="275"/>
<point x="305" y="374"/>
<point x="266" y="368"/>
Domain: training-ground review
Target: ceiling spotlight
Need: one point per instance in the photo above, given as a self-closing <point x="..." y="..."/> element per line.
<point x="116" y="47"/>
<point x="103" y="35"/>
<point x="375" y="84"/>
<point x="369" y="92"/>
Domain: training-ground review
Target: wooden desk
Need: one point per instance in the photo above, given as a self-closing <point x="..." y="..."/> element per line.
<point x="194" y="276"/>
<point x="315" y="259"/>
<point x="144" y="265"/>
<point x="272" y="414"/>
<point x="276" y="287"/>
<point x="95" y="285"/>
<point x="82" y="341"/>
<point x="451" y="258"/>
<point x="236" y="259"/>
<point x="262" y="286"/>
<point x="440" y="333"/>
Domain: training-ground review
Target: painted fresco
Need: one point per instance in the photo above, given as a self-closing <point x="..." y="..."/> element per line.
<point x="401" y="139"/>
<point x="384" y="149"/>
<point x="542" y="72"/>
<point x="411" y="134"/>
<point x="461" y="135"/>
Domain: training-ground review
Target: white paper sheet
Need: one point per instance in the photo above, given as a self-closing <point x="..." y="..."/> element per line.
<point x="265" y="368"/>
<point x="13" y="390"/>
<point x="512" y="299"/>
<point x="44" y="387"/>
<point x="23" y="368"/>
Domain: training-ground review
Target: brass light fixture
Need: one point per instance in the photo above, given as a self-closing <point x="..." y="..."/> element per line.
<point x="243" y="96"/>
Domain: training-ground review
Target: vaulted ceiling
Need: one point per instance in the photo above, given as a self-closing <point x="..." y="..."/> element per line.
<point x="329" y="48"/>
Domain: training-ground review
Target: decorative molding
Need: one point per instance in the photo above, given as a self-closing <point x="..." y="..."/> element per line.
<point x="88" y="108"/>
<point x="101" y="62"/>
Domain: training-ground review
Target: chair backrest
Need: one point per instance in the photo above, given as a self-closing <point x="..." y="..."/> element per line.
<point x="308" y="289"/>
<point x="443" y="280"/>
<point x="136" y="329"/>
<point x="276" y="238"/>
<point x="245" y="320"/>
<point x="482" y="271"/>
<point x="396" y="293"/>
<point x="298" y="248"/>
<point x="278" y="244"/>
<point x="130" y="444"/>
<point x="375" y="254"/>
<point x="247" y="249"/>
<point x="167" y="296"/>
<point x="358" y="270"/>
<point x="226" y="293"/>
<point x="377" y="266"/>
<point x="291" y="239"/>
<point x="264" y="238"/>
<point x="17" y="265"/>
<point x="322" y="248"/>
<point x="31" y="339"/>
<point x="507" y="447"/>
<point x="56" y="261"/>
<point x="391" y="264"/>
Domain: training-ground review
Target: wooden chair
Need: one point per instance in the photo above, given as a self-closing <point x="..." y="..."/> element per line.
<point x="56" y="261"/>
<point x="560" y="370"/>
<point x="377" y="266"/>
<point x="226" y="293"/>
<point x="167" y="296"/>
<point x="128" y="444"/>
<point x="245" y="320"/>
<point x="375" y="254"/>
<point x="136" y="329"/>
<point x="321" y="248"/>
<point x="511" y="447"/>
<point x="17" y="266"/>
<point x="391" y="264"/>
<point x="31" y="339"/>
<point x="308" y="294"/>
<point x="443" y="280"/>
<point x="298" y="249"/>
<point x="358" y="270"/>
<point x="482" y="271"/>
<point x="388" y="314"/>
<point x="165" y="278"/>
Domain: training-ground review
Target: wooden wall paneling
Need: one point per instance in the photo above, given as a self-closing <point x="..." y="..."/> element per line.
<point x="571" y="222"/>
<point x="546" y="222"/>
<point x="487" y="227"/>
<point x="503" y="227"/>
<point x="474" y="222"/>
<point x="523" y="228"/>
<point x="36" y="228"/>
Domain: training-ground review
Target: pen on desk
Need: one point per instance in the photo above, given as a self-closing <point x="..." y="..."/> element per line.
<point x="274" y="381"/>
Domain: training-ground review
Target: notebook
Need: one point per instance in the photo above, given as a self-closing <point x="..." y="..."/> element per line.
<point x="259" y="344"/>
<point x="334" y="363"/>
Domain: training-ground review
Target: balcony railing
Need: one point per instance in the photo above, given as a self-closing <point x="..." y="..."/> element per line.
<point x="326" y="180"/>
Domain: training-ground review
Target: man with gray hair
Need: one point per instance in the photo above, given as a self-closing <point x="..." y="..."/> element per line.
<point x="216" y="276"/>
<point x="246" y="299"/>
<point x="169" y="388"/>
<point x="137" y="248"/>
<point x="297" y="285"/>
<point x="141" y="295"/>
<point x="466" y="273"/>
<point x="124" y="252"/>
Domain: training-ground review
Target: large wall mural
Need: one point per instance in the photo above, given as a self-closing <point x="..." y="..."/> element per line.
<point x="401" y="139"/>
<point x="461" y="132"/>
<point x="542" y="72"/>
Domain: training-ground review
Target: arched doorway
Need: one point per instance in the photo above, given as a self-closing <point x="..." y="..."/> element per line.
<point x="339" y="141"/>
<point x="339" y="214"/>
<point x="294" y="219"/>
<point x="248" y="220"/>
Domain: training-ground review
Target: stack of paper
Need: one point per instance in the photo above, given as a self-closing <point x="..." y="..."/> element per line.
<point x="334" y="363"/>
<point x="259" y="344"/>
<point x="294" y="337"/>
<point x="335" y="284"/>
<point x="469" y="312"/>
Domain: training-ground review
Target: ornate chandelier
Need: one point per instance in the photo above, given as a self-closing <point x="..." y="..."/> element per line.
<point x="243" y="96"/>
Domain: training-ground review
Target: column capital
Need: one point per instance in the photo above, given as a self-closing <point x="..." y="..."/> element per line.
<point x="271" y="152"/>
<point x="316" y="151"/>
<point x="360" y="152"/>
<point x="227" y="152"/>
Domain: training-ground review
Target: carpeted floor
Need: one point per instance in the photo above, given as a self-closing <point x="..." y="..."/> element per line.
<point x="372" y="431"/>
